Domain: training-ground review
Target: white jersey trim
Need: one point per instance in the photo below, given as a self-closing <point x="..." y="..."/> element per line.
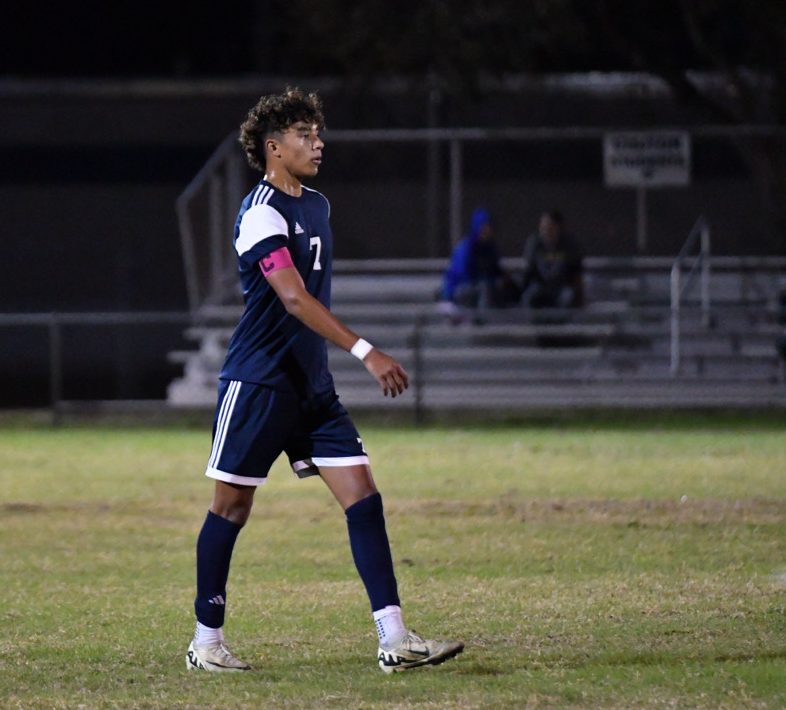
<point x="220" y="475"/>
<point x="262" y="194"/>
<point x="259" y="223"/>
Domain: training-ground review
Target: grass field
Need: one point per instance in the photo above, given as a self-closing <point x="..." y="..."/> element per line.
<point x="607" y="564"/>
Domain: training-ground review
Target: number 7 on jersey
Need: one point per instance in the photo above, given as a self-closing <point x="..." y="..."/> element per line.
<point x="316" y="242"/>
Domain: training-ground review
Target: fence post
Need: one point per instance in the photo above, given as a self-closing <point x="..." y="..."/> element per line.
<point x="675" y="318"/>
<point x="417" y="367"/>
<point x="234" y="189"/>
<point x="216" y="221"/>
<point x="55" y="367"/>
<point x="641" y="219"/>
<point x="433" y="153"/>
<point x="456" y="188"/>
<point x="188" y="246"/>
<point x="705" y="274"/>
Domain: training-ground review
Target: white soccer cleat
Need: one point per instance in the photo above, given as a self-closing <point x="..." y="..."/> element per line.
<point x="216" y="657"/>
<point x="414" y="651"/>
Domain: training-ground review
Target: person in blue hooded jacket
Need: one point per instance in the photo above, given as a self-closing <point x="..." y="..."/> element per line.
<point x="474" y="277"/>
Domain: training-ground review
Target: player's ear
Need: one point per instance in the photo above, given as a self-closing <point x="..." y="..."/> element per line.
<point x="271" y="146"/>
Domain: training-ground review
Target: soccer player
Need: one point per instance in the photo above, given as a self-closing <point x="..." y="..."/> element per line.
<point x="275" y="391"/>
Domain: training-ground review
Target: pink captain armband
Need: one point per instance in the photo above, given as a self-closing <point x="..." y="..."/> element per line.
<point x="275" y="261"/>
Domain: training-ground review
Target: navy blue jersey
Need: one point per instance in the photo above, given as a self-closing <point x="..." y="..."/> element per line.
<point x="270" y="347"/>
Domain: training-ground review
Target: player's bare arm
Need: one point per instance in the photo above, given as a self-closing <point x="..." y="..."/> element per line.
<point x="289" y="287"/>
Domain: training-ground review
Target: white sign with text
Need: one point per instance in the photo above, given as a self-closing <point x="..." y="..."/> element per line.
<point x="647" y="158"/>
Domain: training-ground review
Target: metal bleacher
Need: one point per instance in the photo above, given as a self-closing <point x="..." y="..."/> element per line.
<point x="615" y="351"/>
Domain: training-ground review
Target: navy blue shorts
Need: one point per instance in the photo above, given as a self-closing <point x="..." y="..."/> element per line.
<point x="254" y="425"/>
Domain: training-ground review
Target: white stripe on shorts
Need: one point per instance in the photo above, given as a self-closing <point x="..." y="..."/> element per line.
<point x="222" y="425"/>
<point x="234" y="478"/>
<point x="329" y="461"/>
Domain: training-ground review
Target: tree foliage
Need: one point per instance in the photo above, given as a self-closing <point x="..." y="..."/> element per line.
<point x="459" y="44"/>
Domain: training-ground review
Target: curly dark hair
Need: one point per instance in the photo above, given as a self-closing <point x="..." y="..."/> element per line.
<point x="275" y="113"/>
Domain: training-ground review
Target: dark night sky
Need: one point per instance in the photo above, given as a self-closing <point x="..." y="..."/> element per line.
<point x="98" y="39"/>
<point x="179" y="39"/>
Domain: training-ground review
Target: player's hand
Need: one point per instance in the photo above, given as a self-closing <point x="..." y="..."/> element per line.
<point x="392" y="378"/>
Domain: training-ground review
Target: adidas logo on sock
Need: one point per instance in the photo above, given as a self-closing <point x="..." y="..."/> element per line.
<point x="219" y="600"/>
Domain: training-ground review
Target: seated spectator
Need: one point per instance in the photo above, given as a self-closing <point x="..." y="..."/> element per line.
<point x="474" y="277"/>
<point x="552" y="266"/>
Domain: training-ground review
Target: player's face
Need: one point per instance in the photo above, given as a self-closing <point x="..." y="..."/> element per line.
<point x="301" y="149"/>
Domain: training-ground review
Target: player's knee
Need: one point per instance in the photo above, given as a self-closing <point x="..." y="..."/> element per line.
<point x="236" y="512"/>
<point x="356" y="493"/>
<point x="233" y="502"/>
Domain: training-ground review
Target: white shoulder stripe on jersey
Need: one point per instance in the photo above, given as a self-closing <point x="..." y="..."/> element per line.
<point x="258" y="223"/>
<point x="222" y="425"/>
<point x="263" y="195"/>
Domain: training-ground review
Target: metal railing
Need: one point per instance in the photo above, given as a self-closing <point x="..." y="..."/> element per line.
<point x="219" y="185"/>
<point x="700" y="234"/>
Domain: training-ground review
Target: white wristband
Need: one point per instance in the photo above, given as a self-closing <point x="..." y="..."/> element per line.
<point x="361" y="348"/>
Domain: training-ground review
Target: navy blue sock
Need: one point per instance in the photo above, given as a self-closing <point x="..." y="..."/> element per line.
<point x="213" y="555"/>
<point x="371" y="551"/>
